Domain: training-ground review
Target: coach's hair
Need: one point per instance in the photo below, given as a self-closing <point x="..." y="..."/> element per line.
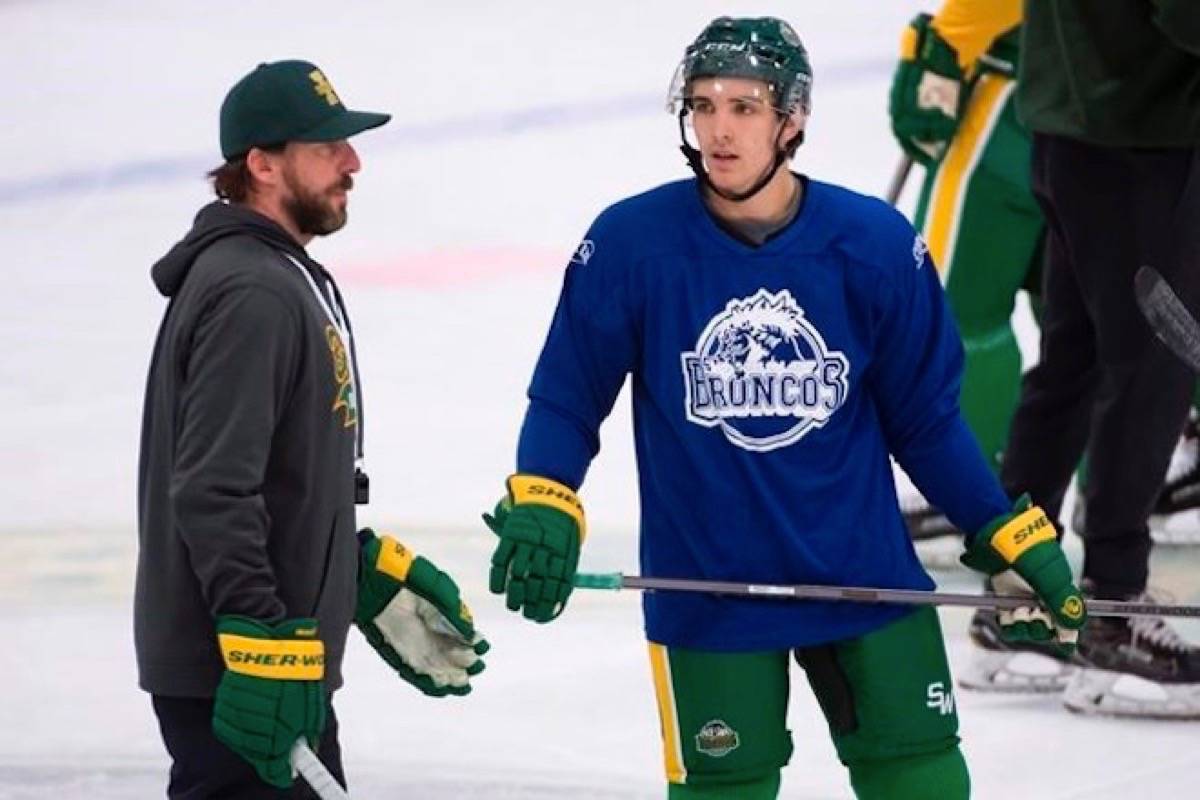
<point x="232" y="180"/>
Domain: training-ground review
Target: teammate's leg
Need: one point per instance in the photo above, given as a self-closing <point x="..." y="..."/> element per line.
<point x="889" y="702"/>
<point x="983" y="227"/>
<point x="723" y="721"/>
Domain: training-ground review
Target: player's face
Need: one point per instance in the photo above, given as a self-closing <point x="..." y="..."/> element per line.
<point x="316" y="180"/>
<point x="737" y="129"/>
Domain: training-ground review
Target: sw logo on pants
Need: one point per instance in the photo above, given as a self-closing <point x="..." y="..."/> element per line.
<point x="940" y="698"/>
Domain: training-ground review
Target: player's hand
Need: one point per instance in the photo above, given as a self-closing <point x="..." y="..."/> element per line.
<point x="271" y="693"/>
<point x="1020" y="550"/>
<point x="541" y="526"/>
<point x="412" y="614"/>
<point x="927" y="92"/>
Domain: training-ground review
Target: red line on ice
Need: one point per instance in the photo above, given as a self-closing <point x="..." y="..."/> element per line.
<point x="446" y="267"/>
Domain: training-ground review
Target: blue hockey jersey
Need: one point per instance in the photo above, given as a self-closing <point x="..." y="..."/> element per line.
<point x="770" y="384"/>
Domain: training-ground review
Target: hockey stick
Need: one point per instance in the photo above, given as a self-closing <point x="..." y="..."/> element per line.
<point x="1169" y="318"/>
<point x="858" y="594"/>
<point x="899" y="178"/>
<point x="305" y="761"/>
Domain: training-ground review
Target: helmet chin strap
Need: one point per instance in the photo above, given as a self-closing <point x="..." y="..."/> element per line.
<point x="696" y="162"/>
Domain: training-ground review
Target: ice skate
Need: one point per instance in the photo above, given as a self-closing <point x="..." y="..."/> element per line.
<point x="1011" y="667"/>
<point x="1135" y="667"/>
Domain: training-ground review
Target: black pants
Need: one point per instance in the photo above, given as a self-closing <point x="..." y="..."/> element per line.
<point x="1104" y="383"/>
<point x="205" y="769"/>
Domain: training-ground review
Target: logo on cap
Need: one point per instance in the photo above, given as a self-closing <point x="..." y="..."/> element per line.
<point x="322" y="87"/>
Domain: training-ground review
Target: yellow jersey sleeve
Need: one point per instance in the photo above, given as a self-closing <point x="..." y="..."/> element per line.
<point x="970" y="26"/>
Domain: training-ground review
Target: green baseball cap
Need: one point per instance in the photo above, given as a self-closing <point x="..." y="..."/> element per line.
<point x="287" y="101"/>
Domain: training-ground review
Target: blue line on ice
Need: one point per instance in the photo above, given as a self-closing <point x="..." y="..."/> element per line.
<point x="489" y="125"/>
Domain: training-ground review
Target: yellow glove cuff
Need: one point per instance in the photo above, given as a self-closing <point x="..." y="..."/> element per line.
<point x="394" y="559"/>
<point x="543" y="491"/>
<point x="278" y="659"/>
<point x="1022" y="532"/>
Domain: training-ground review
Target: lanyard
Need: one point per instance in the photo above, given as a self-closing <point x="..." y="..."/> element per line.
<point x="333" y="312"/>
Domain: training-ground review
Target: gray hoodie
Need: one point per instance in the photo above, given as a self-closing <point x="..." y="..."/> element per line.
<point x="250" y="431"/>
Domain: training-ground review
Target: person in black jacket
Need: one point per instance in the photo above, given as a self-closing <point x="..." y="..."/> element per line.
<point x="1111" y="92"/>
<point x="250" y="569"/>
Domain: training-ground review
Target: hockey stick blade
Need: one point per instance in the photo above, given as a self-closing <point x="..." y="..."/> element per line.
<point x="1169" y="318"/>
<point x="863" y="594"/>
<point x="305" y="761"/>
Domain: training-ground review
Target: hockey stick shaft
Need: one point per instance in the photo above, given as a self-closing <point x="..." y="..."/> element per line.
<point x="861" y="594"/>
<point x="305" y="761"/>
<point x="1169" y="318"/>
<point x="899" y="178"/>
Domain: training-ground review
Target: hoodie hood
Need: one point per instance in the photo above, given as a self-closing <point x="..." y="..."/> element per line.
<point x="216" y="221"/>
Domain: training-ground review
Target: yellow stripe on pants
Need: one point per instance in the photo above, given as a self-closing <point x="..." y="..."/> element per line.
<point x="988" y="98"/>
<point x="664" y="691"/>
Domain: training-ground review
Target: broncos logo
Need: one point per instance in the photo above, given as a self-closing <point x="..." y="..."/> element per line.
<point x="762" y="374"/>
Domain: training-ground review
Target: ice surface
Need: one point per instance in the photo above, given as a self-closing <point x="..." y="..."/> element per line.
<point x="562" y="710"/>
<point x="515" y="124"/>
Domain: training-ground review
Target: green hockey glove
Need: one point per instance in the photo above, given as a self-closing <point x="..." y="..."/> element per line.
<point x="271" y="693"/>
<point x="1021" y="552"/>
<point x="412" y="614"/>
<point x="541" y="526"/>
<point x="927" y="93"/>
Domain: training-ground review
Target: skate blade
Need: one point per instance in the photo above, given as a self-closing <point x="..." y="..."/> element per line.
<point x="1116" y="694"/>
<point x="1015" y="672"/>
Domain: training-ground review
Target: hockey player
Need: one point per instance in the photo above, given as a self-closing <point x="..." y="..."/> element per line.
<point x="953" y="109"/>
<point x="249" y="568"/>
<point x="783" y="336"/>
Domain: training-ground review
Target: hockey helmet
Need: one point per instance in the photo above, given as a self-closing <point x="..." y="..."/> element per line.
<point x="758" y="48"/>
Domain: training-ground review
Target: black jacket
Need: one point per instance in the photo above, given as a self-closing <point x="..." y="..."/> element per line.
<point x="1115" y="73"/>
<point x="246" y="477"/>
